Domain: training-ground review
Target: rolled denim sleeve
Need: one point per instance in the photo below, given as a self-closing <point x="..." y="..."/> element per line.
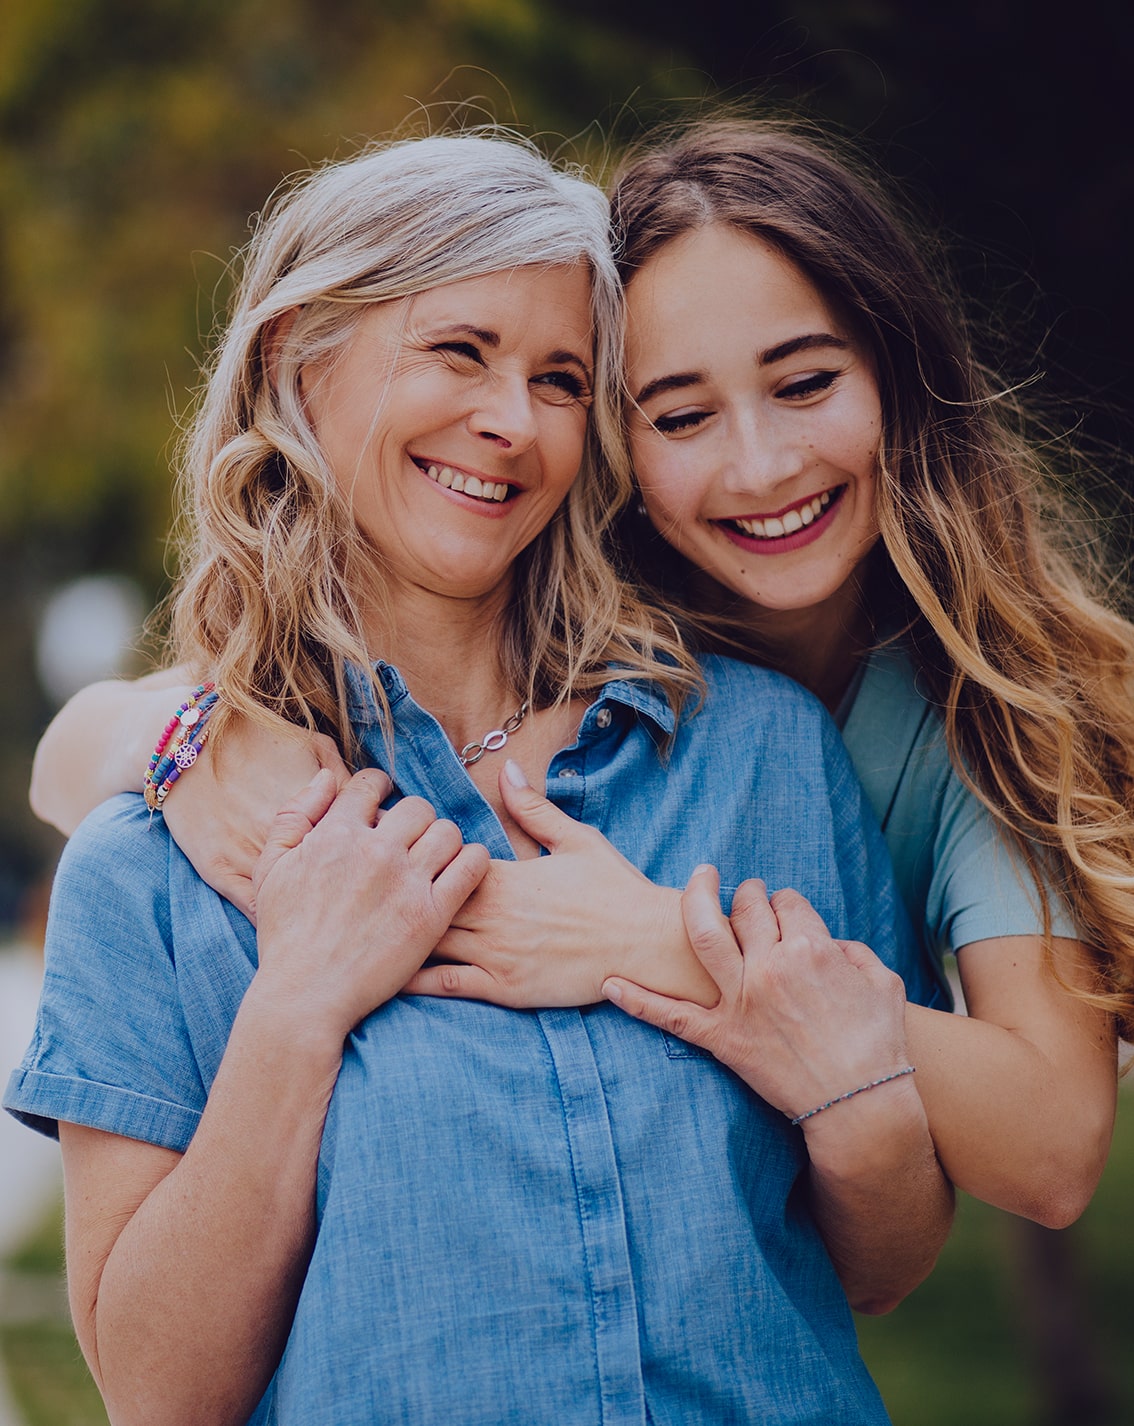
<point x="111" y="1049"/>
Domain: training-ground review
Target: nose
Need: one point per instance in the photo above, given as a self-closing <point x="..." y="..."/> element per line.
<point x="763" y="452"/>
<point x="505" y="413"/>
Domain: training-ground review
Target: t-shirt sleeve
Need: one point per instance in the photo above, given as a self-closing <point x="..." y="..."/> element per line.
<point x="980" y="887"/>
<point x="960" y="879"/>
<point x="111" y="1049"/>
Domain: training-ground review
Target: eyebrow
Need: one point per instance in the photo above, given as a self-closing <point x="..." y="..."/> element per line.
<point x="680" y="380"/>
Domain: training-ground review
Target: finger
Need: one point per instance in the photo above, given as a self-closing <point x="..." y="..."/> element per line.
<point x="458" y="944"/>
<point x="489" y="898"/>
<point x="456" y="982"/>
<point x="708" y="929"/>
<point x="754" y="923"/>
<point x="293" y="822"/>
<point x="362" y="796"/>
<point x="327" y="755"/>
<point x="406" y="821"/>
<point x="797" y="916"/>
<point x="436" y="847"/>
<point x="534" y="814"/>
<point x="683" y="1018"/>
<point x="457" y="882"/>
<point x="860" y="956"/>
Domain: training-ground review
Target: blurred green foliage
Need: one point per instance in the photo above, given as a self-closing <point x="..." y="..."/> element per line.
<point x="138" y="137"/>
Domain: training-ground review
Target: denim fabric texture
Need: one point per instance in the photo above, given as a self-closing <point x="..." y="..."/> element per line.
<point x="525" y="1218"/>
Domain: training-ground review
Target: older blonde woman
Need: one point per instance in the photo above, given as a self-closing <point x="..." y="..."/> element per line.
<point x="296" y="1195"/>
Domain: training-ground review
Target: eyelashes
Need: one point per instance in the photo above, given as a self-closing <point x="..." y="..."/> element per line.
<point x="557" y="381"/>
<point x="810" y="385"/>
<point x="814" y="384"/>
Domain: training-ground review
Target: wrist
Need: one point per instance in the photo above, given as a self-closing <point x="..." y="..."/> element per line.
<point x="663" y="959"/>
<point x="869" y="1135"/>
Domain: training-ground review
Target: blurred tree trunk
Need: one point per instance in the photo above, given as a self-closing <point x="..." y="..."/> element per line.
<point x="1058" y="1327"/>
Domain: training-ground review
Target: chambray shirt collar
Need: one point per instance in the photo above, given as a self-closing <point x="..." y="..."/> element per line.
<point x="640" y="696"/>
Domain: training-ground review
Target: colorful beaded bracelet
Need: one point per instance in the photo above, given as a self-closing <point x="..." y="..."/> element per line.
<point x="181" y="741"/>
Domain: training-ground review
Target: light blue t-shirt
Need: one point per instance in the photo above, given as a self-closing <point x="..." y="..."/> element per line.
<point x="961" y="880"/>
<point x="524" y="1217"/>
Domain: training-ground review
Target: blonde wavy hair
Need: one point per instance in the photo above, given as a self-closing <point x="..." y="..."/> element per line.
<point x="1014" y="639"/>
<point x="274" y="566"/>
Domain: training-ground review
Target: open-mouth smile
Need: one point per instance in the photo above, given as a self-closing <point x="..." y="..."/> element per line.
<point x="490" y="491"/>
<point x="788" y="529"/>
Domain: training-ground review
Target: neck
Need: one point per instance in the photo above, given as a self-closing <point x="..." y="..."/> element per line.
<point x="819" y="647"/>
<point x="448" y="651"/>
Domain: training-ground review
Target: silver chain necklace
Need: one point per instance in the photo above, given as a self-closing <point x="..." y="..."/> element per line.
<point x="492" y="742"/>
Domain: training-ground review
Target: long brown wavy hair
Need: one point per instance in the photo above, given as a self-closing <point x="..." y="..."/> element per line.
<point x="274" y="565"/>
<point x="1014" y="639"/>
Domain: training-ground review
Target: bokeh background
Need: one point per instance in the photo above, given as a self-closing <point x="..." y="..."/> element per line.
<point x="138" y="136"/>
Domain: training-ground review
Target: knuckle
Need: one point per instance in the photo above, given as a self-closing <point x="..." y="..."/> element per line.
<point x="449" y="979"/>
<point x="677" y="1021"/>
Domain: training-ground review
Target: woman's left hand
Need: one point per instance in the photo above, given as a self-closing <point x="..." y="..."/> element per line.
<point x="801" y="1018"/>
<point x="548" y="931"/>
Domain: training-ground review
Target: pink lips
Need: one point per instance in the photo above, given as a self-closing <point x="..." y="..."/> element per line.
<point x="782" y="544"/>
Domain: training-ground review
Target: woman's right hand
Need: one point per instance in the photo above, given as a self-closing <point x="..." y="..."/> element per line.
<point x="351" y="899"/>
<point x="221" y="813"/>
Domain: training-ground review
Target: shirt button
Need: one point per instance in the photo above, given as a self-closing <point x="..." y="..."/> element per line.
<point x="603" y="719"/>
<point x="568" y="772"/>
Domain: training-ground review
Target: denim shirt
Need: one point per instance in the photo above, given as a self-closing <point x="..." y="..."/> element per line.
<point x="564" y="1216"/>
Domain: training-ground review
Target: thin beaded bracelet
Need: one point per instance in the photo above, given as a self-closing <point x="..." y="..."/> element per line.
<point x="850" y="1094"/>
<point x="169" y="758"/>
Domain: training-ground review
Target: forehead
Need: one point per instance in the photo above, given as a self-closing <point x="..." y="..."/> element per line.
<point x="719" y="283"/>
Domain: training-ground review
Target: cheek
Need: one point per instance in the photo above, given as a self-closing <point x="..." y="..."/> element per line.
<point x="669" y="485"/>
<point x="563" y="442"/>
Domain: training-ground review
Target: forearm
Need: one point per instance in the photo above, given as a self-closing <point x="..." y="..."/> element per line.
<point x="878" y="1193"/>
<point x="194" y="1303"/>
<point x="1013" y="1124"/>
<point x="97" y="745"/>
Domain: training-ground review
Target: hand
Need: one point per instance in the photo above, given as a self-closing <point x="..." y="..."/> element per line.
<point x="547" y="931"/>
<point x="220" y="815"/>
<point x="801" y="1017"/>
<point x="352" y="900"/>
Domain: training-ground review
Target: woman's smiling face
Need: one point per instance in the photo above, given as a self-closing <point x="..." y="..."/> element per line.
<point x="454" y="422"/>
<point x="755" y="419"/>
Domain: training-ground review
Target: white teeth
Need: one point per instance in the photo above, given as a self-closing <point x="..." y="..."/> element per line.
<point x="496" y="491"/>
<point x="776" y="526"/>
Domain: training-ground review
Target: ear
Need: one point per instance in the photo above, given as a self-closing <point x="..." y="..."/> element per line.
<point x="273" y="339"/>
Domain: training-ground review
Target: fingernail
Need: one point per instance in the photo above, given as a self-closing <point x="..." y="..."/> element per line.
<point x="612" y="991"/>
<point x="704" y="866"/>
<point x="515" y="773"/>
